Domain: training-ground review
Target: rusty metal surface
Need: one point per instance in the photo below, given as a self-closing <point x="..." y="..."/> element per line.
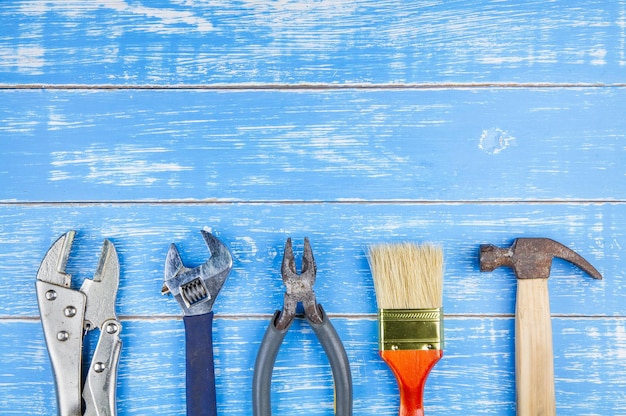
<point x="299" y="287"/>
<point x="531" y="258"/>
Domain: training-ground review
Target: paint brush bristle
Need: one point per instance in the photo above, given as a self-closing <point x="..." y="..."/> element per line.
<point x="407" y="275"/>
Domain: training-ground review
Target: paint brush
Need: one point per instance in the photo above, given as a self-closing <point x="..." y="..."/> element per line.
<point x="408" y="280"/>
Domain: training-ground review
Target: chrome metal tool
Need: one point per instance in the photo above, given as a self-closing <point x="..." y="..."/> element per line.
<point x="67" y="315"/>
<point x="195" y="290"/>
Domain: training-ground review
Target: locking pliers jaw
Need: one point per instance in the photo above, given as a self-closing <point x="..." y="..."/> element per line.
<point x="299" y="287"/>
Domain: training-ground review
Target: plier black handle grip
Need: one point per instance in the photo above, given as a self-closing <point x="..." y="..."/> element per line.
<point x="299" y="288"/>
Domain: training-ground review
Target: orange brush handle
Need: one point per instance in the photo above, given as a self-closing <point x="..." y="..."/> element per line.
<point x="411" y="368"/>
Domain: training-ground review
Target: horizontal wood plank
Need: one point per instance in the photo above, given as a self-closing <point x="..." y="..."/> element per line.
<point x="426" y="145"/>
<point x="340" y="235"/>
<point x="116" y="42"/>
<point x="475" y="376"/>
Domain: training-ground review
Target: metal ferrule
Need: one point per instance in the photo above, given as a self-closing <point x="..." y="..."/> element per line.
<point x="410" y="329"/>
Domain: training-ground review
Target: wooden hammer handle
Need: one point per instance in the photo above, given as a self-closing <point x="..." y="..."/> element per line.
<point x="534" y="360"/>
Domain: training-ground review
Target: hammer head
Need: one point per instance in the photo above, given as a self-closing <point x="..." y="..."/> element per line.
<point x="531" y="258"/>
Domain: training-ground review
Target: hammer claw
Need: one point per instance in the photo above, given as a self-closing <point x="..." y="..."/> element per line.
<point x="570" y="255"/>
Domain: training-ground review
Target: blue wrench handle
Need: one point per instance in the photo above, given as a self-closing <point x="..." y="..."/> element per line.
<point x="201" y="400"/>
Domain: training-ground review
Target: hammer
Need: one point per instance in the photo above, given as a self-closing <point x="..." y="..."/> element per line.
<point x="530" y="259"/>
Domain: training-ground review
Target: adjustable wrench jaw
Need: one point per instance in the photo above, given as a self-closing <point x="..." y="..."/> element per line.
<point x="196" y="288"/>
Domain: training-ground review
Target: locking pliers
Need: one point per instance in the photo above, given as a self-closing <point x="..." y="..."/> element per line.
<point x="67" y="315"/>
<point x="299" y="289"/>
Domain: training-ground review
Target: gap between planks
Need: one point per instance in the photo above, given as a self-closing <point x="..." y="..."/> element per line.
<point x="369" y="317"/>
<point x="311" y="87"/>
<point x="192" y="202"/>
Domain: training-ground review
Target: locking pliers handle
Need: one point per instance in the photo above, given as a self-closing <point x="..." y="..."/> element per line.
<point x="62" y="312"/>
<point x="100" y="384"/>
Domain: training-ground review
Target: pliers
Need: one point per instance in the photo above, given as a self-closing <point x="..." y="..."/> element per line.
<point x="195" y="290"/>
<point x="300" y="289"/>
<point x="67" y="315"/>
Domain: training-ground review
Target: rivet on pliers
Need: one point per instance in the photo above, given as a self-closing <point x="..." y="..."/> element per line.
<point x="299" y="289"/>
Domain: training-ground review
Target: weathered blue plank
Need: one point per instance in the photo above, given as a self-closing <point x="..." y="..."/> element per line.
<point x="340" y="235"/>
<point x="476" y="375"/>
<point x="418" y="145"/>
<point x="299" y="42"/>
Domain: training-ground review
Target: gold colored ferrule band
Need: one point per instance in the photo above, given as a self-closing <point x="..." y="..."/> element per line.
<point x="410" y="329"/>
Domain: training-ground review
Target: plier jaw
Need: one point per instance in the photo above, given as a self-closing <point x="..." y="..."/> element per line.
<point x="66" y="315"/>
<point x="299" y="287"/>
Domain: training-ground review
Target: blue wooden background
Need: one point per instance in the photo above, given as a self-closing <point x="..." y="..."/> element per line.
<point x="352" y="123"/>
